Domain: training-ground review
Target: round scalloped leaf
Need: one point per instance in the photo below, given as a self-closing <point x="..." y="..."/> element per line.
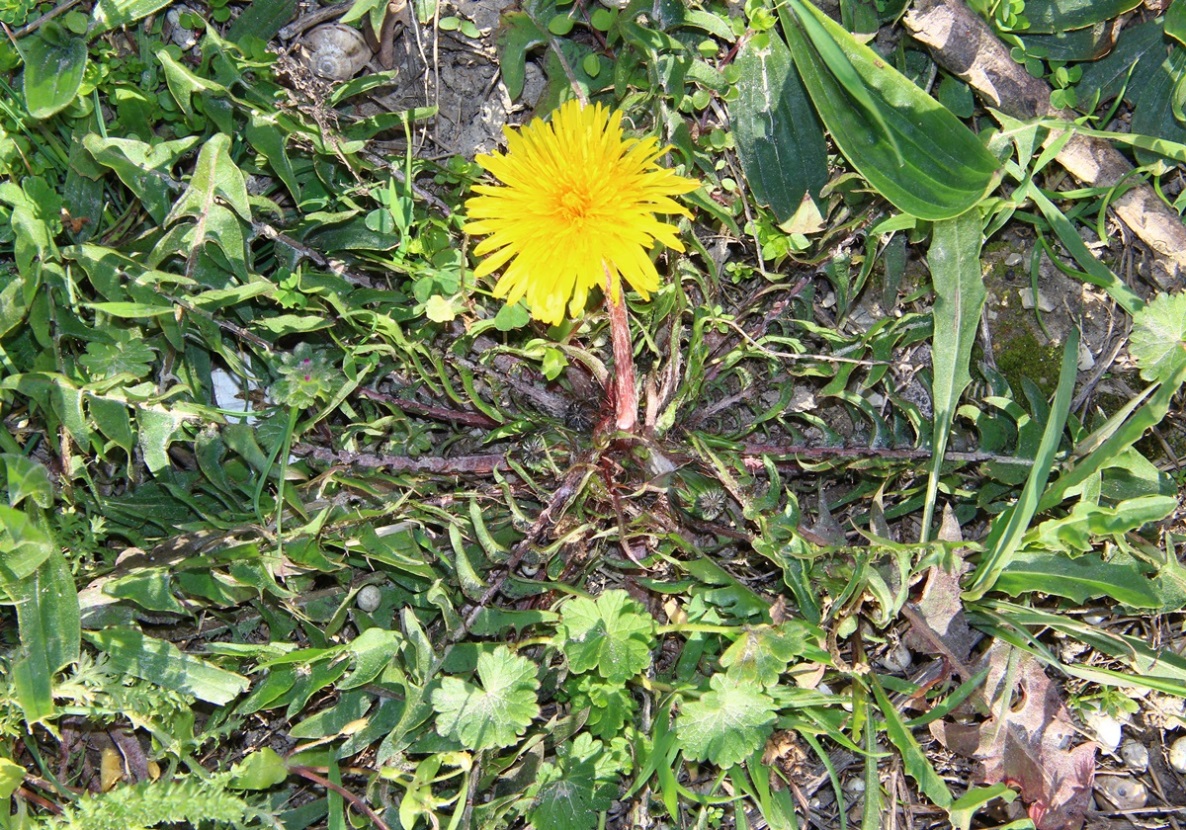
<point x="613" y="634"/>
<point x="494" y="714"/>
<point x="1158" y="341"/>
<point x="726" y="725"/>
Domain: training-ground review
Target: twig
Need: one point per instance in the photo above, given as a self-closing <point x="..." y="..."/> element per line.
<point x="458" y="465"/>
<point x="469" y="419"/>
<point x="795" y="355"/>
<point x="225" y="325"/>
<point x="803" y="451"/>
<point x="354" y="800"/>
<point x="313" y="255"/>
<point x="964" y="45"/>
<point x="297" y="27"/>
<point x="399" y="176"/>
<point x="33" y="25"/>
<point x="573" y="483"/>
<point x="1101" y="368"/>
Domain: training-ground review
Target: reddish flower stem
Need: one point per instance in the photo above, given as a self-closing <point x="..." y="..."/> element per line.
<point x="626" y="395"/>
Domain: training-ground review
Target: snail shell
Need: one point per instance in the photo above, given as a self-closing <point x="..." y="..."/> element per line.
<point x="1124" y="792"/>
<point x="336" y="52"/>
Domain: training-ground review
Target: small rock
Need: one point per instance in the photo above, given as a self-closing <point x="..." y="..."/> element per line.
<point x="368" y="599"/>
<point x="854" y="786"/>
<point x="1164" y="711"/>
<point x="1014" y="259"/>
<point x="184" y="38"/>
<point x="1069" y="651"/>
<point x="1122" y="792"/>
<point x="1086" y="358"/>
<point x="1135" y="756"/>
<point x="1027" y="300"/>
<point x="1177" y="757"/>
<point x="1107" y="729"/>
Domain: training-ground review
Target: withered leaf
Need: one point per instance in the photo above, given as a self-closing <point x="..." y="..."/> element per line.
<point x="1027" y="742"/>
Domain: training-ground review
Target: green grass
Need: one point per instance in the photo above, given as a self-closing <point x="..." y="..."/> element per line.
<point x="400" y="569"/>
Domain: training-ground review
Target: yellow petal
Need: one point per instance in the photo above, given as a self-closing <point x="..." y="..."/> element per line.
<point x="576" y="200"/>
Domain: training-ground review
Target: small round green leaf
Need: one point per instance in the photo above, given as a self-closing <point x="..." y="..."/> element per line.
<point x="560" y="25"/>
<point x="259" y="770"/>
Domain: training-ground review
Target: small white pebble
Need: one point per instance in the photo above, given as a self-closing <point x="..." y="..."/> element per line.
<point x="854" y="785"/>
<point x="1107" y="729"/>
<point x="1043" y="302"/>
<point x="1070" y="650"/>
<point x="1168" y="705"/>
<point x="1014" y="259"/>
<point x="1135" y="756"/>
<point x="1123" y="792"/>
<point x="1177" y="757"/>
<point x="368" y="598"/>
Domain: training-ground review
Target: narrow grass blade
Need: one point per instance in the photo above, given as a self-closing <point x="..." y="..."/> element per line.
<point x="954" y="259"/>
<point x="1120" y="438"/>
<point x="1010" y="526"/>
<point x="1100" y="274"/>
<point x="833" y="776"/>
<point x="913" y="759"/>
<point x="871" y="818"/>
<point x="1159" y="669"/>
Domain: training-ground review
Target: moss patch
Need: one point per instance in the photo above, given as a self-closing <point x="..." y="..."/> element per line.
<point x="1023" y="356"/>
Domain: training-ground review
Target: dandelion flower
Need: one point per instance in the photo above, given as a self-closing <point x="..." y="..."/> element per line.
<point x="575" y="209"/>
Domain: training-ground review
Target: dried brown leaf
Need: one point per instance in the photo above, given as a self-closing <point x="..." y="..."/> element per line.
<point x="1027" y="742"/>
<point x="941" y="610"/>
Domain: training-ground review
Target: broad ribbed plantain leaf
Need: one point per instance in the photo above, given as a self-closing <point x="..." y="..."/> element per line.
<point x="780" y="141"/>
<point x="55" y="61"/>
<point x="906" y="144"/>
<point x="1050" y="16"/>
<point x="1153" y="104"/>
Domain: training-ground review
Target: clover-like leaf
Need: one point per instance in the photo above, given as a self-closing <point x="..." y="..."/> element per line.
<point x="761" y="654"/>
<point x="726" y="725"/>
<point x="613" y="634"/>
<point x="577" y="788"/>
<point x="494" y="714"/>
<point x="1158" y="341"/>
<point x="106" y="360"/>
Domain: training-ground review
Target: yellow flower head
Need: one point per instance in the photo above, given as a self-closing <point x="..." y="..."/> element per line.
<point x="577" y="202"/>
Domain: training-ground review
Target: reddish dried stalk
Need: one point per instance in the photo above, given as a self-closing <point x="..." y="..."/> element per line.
<point x="626" y="395"/>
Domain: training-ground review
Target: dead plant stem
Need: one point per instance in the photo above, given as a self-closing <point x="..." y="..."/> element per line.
<point x="626" y="397"/>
